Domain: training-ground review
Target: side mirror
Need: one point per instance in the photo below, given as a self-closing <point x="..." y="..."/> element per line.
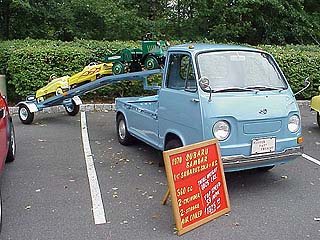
<point x="204" y="82"/>
<point x="306" y="85"/>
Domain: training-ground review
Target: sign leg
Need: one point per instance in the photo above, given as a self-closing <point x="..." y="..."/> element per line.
<point x="165" y="197"/>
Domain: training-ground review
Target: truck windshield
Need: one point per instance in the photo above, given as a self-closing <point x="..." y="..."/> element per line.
<point x="239" y="71"/>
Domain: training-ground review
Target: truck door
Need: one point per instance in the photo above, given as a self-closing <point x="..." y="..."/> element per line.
<point x="179" y="105"/>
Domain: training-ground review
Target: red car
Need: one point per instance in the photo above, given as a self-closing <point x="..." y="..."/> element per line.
<point x="7" y="140"/>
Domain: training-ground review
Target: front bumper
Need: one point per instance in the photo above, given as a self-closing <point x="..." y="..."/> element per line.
<point x="241" y="162"/>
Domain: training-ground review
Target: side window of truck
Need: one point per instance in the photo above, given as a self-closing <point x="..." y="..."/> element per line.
<point x="181" y="72"/>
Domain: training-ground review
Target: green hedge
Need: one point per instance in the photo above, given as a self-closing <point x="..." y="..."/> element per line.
<point x="29" y="63"/>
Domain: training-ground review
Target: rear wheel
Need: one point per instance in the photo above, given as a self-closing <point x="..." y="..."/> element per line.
<point x="318" y="119"/>
<point x="73" y="109"/>
<point x="171" y="144"/>
<point x="12" y="143"/>
<point x="117" y="68"/>
<point x="25" y="116"/>
<point x="124" y="137"/>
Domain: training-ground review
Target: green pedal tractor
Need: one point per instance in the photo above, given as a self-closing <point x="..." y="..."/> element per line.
<point x="150" y="56"/>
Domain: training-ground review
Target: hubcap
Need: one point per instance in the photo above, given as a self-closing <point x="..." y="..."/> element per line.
<point x="69" y="108"/>
<point x="151" y="63"/>
<point x="23" y="113"/>
<point x="122" y="129"/>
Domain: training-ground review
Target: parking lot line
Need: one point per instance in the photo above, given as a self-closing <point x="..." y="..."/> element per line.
<point x="311" y="159"/>
<point x="97" y="205"/>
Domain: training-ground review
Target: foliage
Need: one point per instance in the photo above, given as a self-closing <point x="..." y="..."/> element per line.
<point x="255" y="22"/>
<point x="29" y="63"/>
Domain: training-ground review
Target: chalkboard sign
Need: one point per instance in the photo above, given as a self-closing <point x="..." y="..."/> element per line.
<point x="197" y="184"/>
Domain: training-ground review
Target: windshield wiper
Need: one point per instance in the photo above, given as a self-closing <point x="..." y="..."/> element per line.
<point x="236" y="89"/>
<point x="264" y="88"/>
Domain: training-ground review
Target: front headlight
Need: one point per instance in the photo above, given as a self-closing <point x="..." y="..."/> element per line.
<point x="294" y="123"/>
<point x="221" y="130"/>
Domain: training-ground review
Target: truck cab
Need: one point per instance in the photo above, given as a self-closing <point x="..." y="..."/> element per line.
<point x="235" y="94"/>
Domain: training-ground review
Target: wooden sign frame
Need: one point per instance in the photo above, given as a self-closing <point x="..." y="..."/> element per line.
<point x="211" y="158"/>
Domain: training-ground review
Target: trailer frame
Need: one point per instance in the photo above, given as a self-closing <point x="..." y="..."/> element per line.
<point x="71" y="100"/>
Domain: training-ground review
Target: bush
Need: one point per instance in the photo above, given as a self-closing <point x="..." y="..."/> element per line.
<point x="298" y="63"/>
<point x="29" y="63"/>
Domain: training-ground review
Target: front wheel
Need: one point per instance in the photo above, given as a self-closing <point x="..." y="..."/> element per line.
<point x="151" y="63"/>
<point x="318" y="119"/>
<point x="73" y="109"/>
<point x="12" y="144"/>
<point x="124" y="137"/>
<point x="59" y="91"/>
<point x="25" y="116"/>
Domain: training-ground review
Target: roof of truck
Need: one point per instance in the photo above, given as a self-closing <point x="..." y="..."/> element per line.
<point x="201" y="47"/>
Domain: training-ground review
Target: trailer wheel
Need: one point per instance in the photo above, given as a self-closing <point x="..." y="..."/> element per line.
<point x="124" y="137"/>
<point x="25" y="116"/>
<point x="318" y="119"/>
<point x="151" y="63"/>
<point x="73" y="109"/>
<point x="12" y="143"/>
<point x="117" y="68"/>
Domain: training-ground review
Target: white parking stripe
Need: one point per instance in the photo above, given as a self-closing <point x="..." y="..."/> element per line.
<point x="97" y="205"/>
<point x="311" y="159"/>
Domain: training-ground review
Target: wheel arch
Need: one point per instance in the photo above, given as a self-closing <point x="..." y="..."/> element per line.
<point x="170" y="136"/>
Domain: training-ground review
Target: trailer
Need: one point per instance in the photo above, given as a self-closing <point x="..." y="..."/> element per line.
<point x="70" y="99"/>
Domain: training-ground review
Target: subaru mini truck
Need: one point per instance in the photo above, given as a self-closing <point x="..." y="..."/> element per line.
<point x="235" y="94"/>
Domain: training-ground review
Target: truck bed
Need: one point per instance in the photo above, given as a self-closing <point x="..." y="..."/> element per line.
<point x="141" y="114"/>
<point x="147" y="104"/>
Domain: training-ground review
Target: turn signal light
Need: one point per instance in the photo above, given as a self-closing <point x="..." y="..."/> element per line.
<point x="300" y="140"/>
<point x="65" y="94"/>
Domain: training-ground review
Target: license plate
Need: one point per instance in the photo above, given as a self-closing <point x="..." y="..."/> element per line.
<point x="263" y="145"/>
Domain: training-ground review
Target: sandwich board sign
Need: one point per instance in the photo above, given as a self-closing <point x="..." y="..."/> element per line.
<point x="196" y="183"/>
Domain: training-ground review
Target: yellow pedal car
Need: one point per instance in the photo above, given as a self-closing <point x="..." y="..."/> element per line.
<point x="60" y="85"/>
<point x="56" y="86"/>
<point x="315" y="105"/>
<point x="90" y="73"/>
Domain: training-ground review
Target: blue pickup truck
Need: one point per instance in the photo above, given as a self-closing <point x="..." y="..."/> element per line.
<point x="235" y="94"/>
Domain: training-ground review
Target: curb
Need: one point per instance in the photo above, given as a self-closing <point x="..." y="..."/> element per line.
<point x="99" y="107"/>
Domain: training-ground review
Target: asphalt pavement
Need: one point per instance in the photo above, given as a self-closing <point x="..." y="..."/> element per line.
<point x="46" y="192"/>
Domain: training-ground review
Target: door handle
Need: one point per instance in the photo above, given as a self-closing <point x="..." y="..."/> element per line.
<point x="195" y="100"/>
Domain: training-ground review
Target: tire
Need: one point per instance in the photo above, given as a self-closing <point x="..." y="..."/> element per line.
<point x="25" y="116"/>
<point x="124" y="137"/>
<point x="151" y="63"/>
<point x="12" y="144"/>
<point x="171" y="144"/>
<point x="117" y="68"/>
<point x="73" y="109"/>
<point x="318" y="119"/>
<point x="59" y="91"/>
